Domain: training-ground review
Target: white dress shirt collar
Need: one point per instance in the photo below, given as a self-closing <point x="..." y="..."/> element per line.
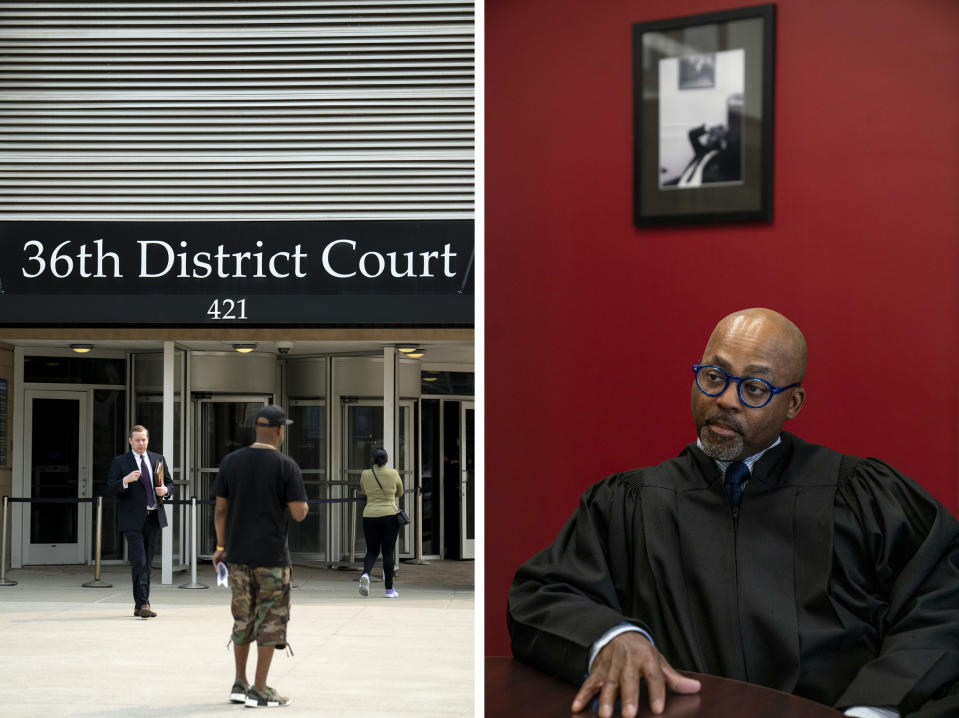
<point x="749" y="461"/>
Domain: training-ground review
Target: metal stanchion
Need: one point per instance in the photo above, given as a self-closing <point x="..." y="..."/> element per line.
<point x="4" y="581"/>
<point x="193" y="583"/>
<point x="96" y="582"/>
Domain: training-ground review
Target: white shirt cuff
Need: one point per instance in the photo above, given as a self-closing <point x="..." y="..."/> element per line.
<point x="871" y="712"/>
<point x="609" y="636"/>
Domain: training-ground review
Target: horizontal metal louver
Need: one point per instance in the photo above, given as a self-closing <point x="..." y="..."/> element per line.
<point x="236" y="110"/>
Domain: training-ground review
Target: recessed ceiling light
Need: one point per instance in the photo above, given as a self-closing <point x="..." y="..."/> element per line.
<point x="81" y="348"/>
<point x="244" y="348"/>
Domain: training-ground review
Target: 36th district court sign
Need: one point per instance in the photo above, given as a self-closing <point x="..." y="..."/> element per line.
<point x="257" y="273"/>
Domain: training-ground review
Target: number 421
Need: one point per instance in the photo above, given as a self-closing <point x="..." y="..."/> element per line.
<point x="227" y="309"/>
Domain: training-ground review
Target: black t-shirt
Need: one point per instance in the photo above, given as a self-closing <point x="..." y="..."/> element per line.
<point x="258" y="484"/>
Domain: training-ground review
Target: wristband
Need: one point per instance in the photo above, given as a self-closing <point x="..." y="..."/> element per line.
<point x="220" y="548"/>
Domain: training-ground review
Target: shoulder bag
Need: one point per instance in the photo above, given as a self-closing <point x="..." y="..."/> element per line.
<point x="401" y="515"/>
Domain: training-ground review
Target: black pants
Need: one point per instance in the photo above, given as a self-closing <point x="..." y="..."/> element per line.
<point x="381" y="533"/>
<point x="141" y="545"/>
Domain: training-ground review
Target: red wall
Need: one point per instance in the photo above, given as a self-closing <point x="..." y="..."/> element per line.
<point x="591" y="325"/>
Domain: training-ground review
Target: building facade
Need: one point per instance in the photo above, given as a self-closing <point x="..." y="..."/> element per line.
<point x="207" y="207"/>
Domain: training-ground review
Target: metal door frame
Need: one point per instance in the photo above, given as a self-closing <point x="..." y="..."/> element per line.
<point x="408" y="475"/>
<point x="181" y="491"/>
<point x="180" y="518"/>
<point x="326" y="509"/>
<point x="440" y="496"/>
<point x="32" y="553"/>
<point x="196" y="471"/>
<point x="467" y="545"/>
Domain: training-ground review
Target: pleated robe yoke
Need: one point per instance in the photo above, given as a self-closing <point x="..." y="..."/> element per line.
<point x="736" y="614"/>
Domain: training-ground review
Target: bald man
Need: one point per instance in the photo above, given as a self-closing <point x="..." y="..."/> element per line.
<point x="753" y="555"/>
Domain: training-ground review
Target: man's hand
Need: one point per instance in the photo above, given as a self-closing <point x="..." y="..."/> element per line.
<point x="162" y="490"/>
<point x="218" y="556"/>
<point x="131" y="477"/>
<point x="618" y="668"/>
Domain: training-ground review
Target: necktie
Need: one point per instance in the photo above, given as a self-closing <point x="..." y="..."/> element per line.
<point x="147" y="484"/>
<point x="736" y="473"/>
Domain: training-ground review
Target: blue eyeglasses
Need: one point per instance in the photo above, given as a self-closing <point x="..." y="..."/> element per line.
<point x="753" y="392"/>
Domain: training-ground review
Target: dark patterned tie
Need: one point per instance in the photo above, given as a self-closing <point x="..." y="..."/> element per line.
<point x="736" y="473"/>
<point x="147" y="484"/>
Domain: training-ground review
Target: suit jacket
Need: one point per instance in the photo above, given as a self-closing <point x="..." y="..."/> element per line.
<point x="132" y="501"/>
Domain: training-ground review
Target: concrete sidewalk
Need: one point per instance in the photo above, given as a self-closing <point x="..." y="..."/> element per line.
<point x="74" y="651"/>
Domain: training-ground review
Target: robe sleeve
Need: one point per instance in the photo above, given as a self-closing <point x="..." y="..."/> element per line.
<point x="899" y="551"/>
<point x="565" y="598"/>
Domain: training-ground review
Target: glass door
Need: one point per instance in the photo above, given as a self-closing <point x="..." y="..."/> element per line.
<point x="223" y="424"/>
<point x="306" y="440"/>
<point x="56" y="463"/>
<point x="148" y="411"/>
<point x="431" y="476"/>
<point x="363" y="432"/>
<point x="467" y="480"/>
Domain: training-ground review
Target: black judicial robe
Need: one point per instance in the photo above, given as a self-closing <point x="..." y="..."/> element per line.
<point x="840" y="588"/>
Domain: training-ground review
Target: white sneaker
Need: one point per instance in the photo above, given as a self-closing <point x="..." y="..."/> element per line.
<point x="364" y="585"/>
<point x="391" y="594"/>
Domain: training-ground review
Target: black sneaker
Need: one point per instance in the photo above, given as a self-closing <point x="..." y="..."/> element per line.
<point x="269" y="698"/>
<point x="238" y="692"/>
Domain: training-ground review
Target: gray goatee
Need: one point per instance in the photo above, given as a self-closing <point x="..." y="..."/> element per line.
<point x="727" y="450"/>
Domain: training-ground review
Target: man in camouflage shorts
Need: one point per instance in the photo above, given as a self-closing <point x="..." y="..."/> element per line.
<point x="253" y="483"/>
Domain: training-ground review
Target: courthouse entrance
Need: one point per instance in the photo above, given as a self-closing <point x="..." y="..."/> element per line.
<point x="72" y="415"/>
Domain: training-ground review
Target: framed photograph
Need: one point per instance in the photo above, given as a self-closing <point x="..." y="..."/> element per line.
<point x="703" y="117"/>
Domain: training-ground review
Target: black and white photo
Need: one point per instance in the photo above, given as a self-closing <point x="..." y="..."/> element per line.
<point x="696" y="71"/>
<point x="703" y="117"/>
<point x="700" y="122"/>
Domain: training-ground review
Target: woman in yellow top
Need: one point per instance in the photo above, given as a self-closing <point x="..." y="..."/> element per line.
<point x="382" y="487"/>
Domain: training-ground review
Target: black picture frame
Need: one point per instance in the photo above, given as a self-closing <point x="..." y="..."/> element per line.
<point x="703" y="117"/>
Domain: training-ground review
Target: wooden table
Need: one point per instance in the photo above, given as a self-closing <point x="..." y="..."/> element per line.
<point x="515" y="689"/>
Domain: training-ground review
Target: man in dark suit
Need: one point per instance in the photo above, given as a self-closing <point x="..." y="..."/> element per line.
<point x="140" y="480"/>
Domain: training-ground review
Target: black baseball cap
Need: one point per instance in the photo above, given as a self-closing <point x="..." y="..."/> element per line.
<point x="274" y="415"/>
